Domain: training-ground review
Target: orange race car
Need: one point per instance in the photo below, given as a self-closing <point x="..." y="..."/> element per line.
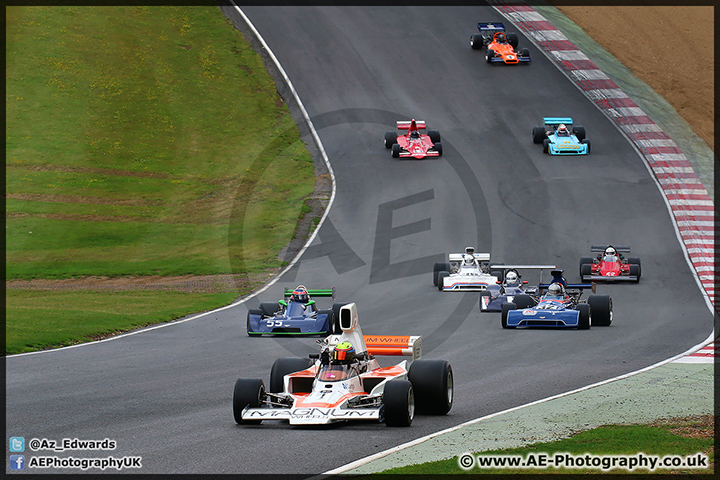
<point x="501" y="46"/>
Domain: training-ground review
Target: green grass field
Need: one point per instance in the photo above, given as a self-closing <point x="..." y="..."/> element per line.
<point x="609" y="440"/>
<point x="141" y="141"/>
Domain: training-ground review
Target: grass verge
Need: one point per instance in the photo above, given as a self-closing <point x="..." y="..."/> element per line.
<point x="679" y="437"/>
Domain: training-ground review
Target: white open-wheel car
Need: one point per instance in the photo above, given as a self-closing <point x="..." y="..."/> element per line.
<point x="326" y="388"/>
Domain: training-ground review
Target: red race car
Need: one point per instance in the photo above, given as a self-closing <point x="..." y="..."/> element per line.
<point x="610" y="265"/>
<point x="414" y="143"/>
<point x="501" y="46"/>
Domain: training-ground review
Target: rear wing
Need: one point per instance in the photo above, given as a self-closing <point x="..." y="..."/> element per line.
<point x="458" y="257"/>
<point x="491" y="27"/>
<point x="394" y="345"/>
<point x="557" y="120"/>
<point x="321" y="292"/>
<point x="601" y="249"/>
<point x="557" y="277"/>
<point x="405" y="124"/>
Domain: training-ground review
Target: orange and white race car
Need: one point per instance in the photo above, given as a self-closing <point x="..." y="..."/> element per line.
<point x="345" y="382"/>
<point x="501" y="46"/>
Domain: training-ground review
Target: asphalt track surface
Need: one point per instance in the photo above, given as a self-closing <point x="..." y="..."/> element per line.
<point x="165" y="394"/>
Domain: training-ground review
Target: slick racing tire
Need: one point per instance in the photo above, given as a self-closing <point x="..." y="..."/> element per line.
<point x="437" y="268"/>
<point x="434" y="136"/>
<point x="247" y="392"/>
<point x="433" y="384"/>
<point x="635" y="261"/>
<point x="512" y="39"/>
<point x="546" y="146"/>
<point x="438" y="148"/>
<point x="489" y="55"/>
<point x="523" y="301"/>
<point x="284" y="366"/>
<point x="441" y="277"/>
<point x="390" y="138"/>
<point x="538" y="134"/>
<point x="583" y="261"/>
<point x="396" y="150"/>
<point x="525" y="53"/>
<point x="583" y="316"/>
<point x="585" y="141"/>
<point x="269" y="309"/>
<point x="251" y="312"/>
<point x="635" y="271"/>
<point x="398" y="403"/>
<point x="600" y="310"/>
<point x="476" y="42"/>
<point x="579" y="132"/>
<point x="506" y="307"/>
<point x="585" y="270"/>
<point x="335" y="327"/>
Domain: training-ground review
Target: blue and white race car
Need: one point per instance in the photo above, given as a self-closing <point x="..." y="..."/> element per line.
<point x="512" y="285"/>
<point x="558" y="306"/>
<point x="297" y="316"/>
<point x="560" y="137"/>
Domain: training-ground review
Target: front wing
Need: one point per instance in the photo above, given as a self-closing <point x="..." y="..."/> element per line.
<point x="543" y="318"/>
<point x="467" y="283"/>
<point x="289" y="326"/>
<point x="312" y="415"/>
<point x="607" y="278"/>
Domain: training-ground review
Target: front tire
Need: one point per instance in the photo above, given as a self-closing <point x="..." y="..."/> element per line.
<point x="269" y="309"/>
<point x="396" y="150"/>
<point x="506" y="307"/>
<point x="636" y="261"/>
<point x="546" y="146"/>
<point x="441" y="278"/>
<point x="586" y="142"/>
<point x="248" y="392"/>
<point x="438" y="148"/>
<point x="399" y="403"/>
<point x="437" y="268"/>
<point x="583" y="316"/>
<point x="523" y="301"/>
<point x="489" y="55"/>
<point x="433" y="384"/>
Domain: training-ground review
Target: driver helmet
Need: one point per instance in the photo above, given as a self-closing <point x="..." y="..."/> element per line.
<point x="555" y="289"/>
<point x="469" y="259"/>
<point x="500" y="38"/>
<point x="562" y="129"/>
<point x="609" y="251"/>
<point x="415" y="134"/>
<point x="300" y="294"/>
<point x="343" y="352"/>
<point x="511" y="277"/>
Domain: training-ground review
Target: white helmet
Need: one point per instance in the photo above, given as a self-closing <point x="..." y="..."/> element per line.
<point x="609" y="251"/>
<point x="555" y="289"/>
<point x="469" y="259"/>
<point x="511" y="277"/>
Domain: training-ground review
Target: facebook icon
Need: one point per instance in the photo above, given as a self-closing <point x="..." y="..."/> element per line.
<point x="17" y="462"/>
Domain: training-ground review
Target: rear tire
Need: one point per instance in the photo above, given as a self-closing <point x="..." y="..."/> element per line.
<point x="583" y="316"/>
<point x="476" y="42"/>
<point x="600" y="309"/>
<point x="513" y="40"/>
<point x="283" y="366"/>
<point x="524" y="301"/>
<point x="433" y="384"/>
<point x="399" y="403"/>
<point x="247" y="392"/>
<point x="434" y="136"/>
<point x="390" y="138"/>
<point x="396" y="150"/>
<point x="579" y="132"/>
<point x="538" y="134"/>
<point x="506" y="307"/>
<point x="269" y="309"/>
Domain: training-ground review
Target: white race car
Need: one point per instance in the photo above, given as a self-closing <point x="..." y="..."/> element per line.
<point x="345" y="382"/>
<point x="468" y="272"/>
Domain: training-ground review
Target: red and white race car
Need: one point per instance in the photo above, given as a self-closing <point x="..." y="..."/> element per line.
<point x="610" y="265"/>
<point x="414" y="143"/>
<point x="345" y="382"/>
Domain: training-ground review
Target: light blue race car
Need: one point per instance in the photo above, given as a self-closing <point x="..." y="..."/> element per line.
<point x="560" y="137"/>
